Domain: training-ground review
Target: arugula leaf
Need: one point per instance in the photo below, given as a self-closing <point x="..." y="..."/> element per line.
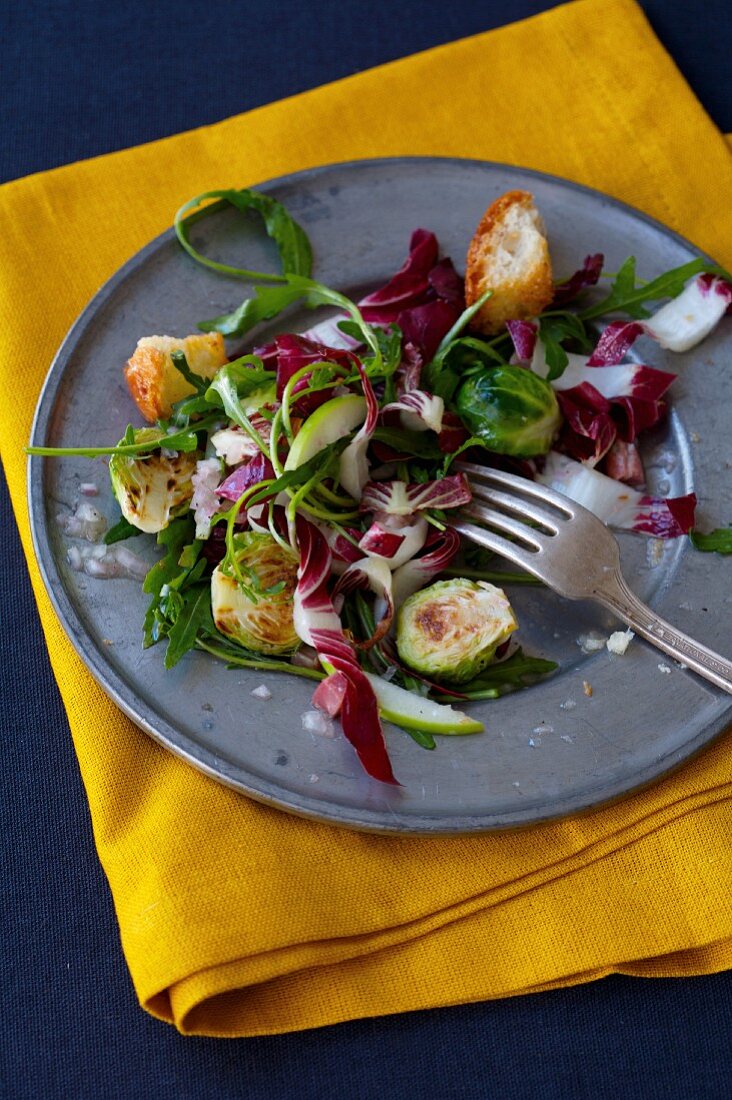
<point x="554" y="329"/>
<point x="180" y="363"/>
<point x="292" y="242"/>
<point x="164" y="573"/>
<point x="234" y="381"/>
<point x="121" y="530"/>
<point x="154" y="439"/>
<point x="267" y="302"/>
<point x="627" y="297"/>
<point x="507" y="675"/>
<point x="422" y="737"/>
<point x="192" y="617"/>
<point x="718" y="541"/>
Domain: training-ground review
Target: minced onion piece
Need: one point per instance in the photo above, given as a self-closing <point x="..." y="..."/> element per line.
<point x="106" y="562"/>
<point x="86" y="522"/>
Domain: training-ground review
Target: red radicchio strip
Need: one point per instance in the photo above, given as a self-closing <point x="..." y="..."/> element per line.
<point x="409" y="371"/>
<point x="588" y="431"/>
<point x="447" y="284"/>
<point x="244" y="477"/>
<point x="453" y="434"/>
<point x="615" y="341"/>
<point x="398" y="498"/>
<point x="378" y="540"/>
<point x="523" y="334"/>
<point x="616" y="504"/>
<point x="408" y="285"/>
<point x="295" y="352"/>
<point x="318" y="625"/>
<point x="425" y="325"/>
<point x="587" y="275"/>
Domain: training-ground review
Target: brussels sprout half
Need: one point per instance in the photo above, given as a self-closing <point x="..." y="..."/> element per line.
<point x="263" y="624"/>
<point x="151" y="489"/>
<point x="511" y="409"/>
<point x="451" y="630"/>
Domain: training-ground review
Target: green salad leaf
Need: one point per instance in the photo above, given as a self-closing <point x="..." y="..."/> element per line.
<point x="718" y="541"/>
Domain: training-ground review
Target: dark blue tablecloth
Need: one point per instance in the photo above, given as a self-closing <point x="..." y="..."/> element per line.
<point x="82" y="78"/>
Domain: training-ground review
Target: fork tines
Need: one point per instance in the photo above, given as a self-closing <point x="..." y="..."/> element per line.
<point x="490" y="479"/>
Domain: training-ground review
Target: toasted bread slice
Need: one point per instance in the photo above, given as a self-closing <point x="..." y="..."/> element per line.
<point x="510" y="256"/>
<point x="154" y="382"/>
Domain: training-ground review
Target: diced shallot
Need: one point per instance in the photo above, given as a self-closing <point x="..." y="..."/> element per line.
<point x="105" y="562"/>
<point x="86" y="522"/>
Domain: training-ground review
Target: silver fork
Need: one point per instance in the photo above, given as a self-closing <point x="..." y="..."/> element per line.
<point x="573" y="552"/>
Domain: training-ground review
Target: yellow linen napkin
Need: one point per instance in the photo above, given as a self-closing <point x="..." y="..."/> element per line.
<point x="237" y="919"/>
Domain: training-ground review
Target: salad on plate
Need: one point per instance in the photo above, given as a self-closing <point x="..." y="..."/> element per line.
<point x="302" y="492"/>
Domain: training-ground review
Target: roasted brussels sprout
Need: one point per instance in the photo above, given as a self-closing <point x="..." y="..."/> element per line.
<point x="152" y="488"/>
<point x="511" y="409"/>
<point x="260" y="618"/>
<point x="451" y="630"/>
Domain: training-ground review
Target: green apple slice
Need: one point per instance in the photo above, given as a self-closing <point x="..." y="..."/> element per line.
<point x="413" y="712"/>
<point x="328" y="423"/>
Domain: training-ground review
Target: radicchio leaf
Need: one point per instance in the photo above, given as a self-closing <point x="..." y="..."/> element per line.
<point x="295" y="352"/>
<point x="614" y="343"/>
<point x="418" y="411"/>
<point x="441" y="547"/>
<point x="425" y="325"/>
<point x="407" y="287"/>
<point x="353" y="464"/>
<point x="687" y="319"/>
<point x="374" y="574"/>
<point x="244" y="477"/>
<point x="587" y="276"/>
<point x="378" y="540"/>
<point x="588" y="430"/>
<point x="317" y="624"/>
<point x="616" y="504"/>
<point x="398" y="498"/>
<point x="523" y="334"/>
<point x="634" y="380"/>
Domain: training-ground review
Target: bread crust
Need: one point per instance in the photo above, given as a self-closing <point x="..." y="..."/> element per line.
<point x="154" y="382"/>
<point x="522" y="285"/>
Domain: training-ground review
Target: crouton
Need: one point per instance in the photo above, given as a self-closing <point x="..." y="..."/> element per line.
<point x="510" y="256"/>
<point x="154" y="382"/>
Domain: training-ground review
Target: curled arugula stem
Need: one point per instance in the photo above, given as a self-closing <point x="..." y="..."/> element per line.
<point x="193" y="211"/>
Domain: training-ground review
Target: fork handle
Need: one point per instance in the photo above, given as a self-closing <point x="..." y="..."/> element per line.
<point x="618" y="597"/>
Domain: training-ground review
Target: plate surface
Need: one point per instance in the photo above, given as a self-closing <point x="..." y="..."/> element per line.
<point x="549" y="750"/>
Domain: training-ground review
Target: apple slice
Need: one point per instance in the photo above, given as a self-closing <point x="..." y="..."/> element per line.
<point x="328" y="423"/>
<point x="414" y="712"/>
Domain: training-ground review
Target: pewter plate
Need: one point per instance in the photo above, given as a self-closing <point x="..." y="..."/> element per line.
<point x="548" y="751"/>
